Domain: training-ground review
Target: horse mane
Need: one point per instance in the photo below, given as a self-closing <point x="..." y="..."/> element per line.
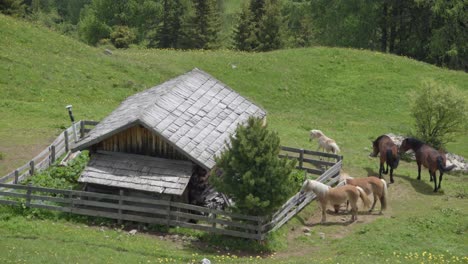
<point x="344" y="176"/>
<point x="315" y="132"/>
<point x="318" y="188"/>
<point x="415" y="142"/>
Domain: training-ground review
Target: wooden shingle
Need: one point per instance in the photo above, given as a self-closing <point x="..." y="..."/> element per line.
<point x="186" y="111"/>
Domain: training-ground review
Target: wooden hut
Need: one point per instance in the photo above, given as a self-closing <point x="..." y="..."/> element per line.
<point x="159" y="140"/>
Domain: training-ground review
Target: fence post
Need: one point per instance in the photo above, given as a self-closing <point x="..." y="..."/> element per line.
<point x="52" y="154"/>
<point x="65" y="134"/>
<point x="31" y="165"/>
<point x="16" y="176"/>
<point x="82" y="129"/>
<point x="214" y="223"/>
<point x="301" y="158"/>
<point x="259" y="228"/>
<point x="119" y="220"/>
<point x="169" y="212"/>
<point x="28" y="196"/>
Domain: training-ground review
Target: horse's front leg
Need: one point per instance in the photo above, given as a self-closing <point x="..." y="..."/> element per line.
<point x="324" y="209"/>
<point x="419" y="170"/>
<point x="430" y="175"/>
<point x="433" y="175"/>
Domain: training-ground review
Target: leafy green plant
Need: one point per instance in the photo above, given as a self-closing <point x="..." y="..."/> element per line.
<point x="122" y="37"/>
<point x="439" y="112"/>
<point x="61" y="177"/>
<point x="251" y="172"/>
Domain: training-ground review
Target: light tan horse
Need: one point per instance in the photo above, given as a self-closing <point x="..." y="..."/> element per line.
<point x="336" y="196"/>
<point x="371" y="185"/>
<point x="326" y="143"/>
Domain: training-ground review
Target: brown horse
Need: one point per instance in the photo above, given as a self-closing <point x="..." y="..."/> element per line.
<point x="336" y="196"/>
<point x="388" y="154"/>
<point x="371" y="185"/>
<point x="429" y="157"/>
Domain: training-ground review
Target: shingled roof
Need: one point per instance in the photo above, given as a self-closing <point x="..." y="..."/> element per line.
<point x="138" y="172"/>
<point x="193" y="112"/>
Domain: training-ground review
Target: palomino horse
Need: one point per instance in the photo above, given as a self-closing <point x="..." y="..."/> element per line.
<point x="336" y="196"/>
<point x="429" y="157"/>
<point x="371" y="185"/>
<point x="388" y="154"/>
<point x="326" y="143"/>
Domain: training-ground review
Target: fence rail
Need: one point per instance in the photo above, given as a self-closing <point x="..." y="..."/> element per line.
<point x="49" y="155"/>
<point x="128" y="208"/>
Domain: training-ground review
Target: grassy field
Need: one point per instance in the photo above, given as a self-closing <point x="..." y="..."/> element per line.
<point x="351" y="95"/>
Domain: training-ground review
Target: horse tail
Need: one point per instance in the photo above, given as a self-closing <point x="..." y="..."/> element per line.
<point x="364" y="197"/>
<point x="335" y="147"/>
<point x="441" y="166"/>
<point x="383" y="198"/>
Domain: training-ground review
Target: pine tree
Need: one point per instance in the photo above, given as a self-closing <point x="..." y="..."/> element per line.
<point x="170" y="28"/>
<point x="201" y="31"/>
<point x="251" y="172"/>
<point x="268" y="34"/>
<point x="259" y="27"/>
<point x="244" y="33"/>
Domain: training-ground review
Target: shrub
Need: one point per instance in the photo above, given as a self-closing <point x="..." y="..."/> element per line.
<point x="251" y="173"/>
<point x="61" y="177"/>
<point x="122" y="37"/>
<point x="439" y="112"/>
<point x="91" y="29"/>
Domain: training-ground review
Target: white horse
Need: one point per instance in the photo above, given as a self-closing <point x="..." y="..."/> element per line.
<point x="326" y="143"/>
<point x="336" y="196"/>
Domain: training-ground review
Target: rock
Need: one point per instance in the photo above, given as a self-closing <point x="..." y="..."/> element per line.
<point x="205" y="261"/>
<point x="452" y="159"/>
<point x="307" y="234"/>
<point x="132" y="232"/>
<point x="306" y="230"/>
<point x="321" y="235"/>
<point x="108" y="52"/>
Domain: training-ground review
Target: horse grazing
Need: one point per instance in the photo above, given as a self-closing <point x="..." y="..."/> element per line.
<point x="429" y="157"/>
<point x="336" y="196"/>
<point x="388" y="154"/>
<point x="326" y="143"/>
<point x="371" y="185"/>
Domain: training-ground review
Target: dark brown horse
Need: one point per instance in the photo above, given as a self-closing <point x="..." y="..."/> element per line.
<point x="429" y="157"/>
<point x="388" y="154"/>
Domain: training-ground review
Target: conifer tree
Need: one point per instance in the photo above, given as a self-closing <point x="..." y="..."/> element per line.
<point x="251" y="173"/>
<point x="201" y="31"/>
<point x="170" y="28"/>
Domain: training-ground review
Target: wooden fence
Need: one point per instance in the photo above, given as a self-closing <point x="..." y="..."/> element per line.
<point x="43" y="160"/>
<point x="163" y="212"/>
<point x="128" y="208"/>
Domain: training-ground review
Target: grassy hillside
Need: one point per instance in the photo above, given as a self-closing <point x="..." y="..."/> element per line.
<point x="353" y="96"/>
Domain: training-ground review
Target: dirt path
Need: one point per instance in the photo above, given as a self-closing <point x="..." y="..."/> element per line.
<point x="337" y="226"/>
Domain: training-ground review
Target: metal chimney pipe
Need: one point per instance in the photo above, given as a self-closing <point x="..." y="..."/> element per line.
<point x="69" y="107"/>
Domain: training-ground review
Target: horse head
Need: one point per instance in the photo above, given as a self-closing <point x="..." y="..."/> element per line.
<point x="375" y="148"/>
<point x="314" y="133"/>
<point x="405" y="146"/>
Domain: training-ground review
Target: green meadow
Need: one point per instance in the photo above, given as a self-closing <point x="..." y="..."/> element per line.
<point x="351" y="95"/>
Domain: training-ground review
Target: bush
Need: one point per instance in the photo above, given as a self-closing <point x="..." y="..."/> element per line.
<point x="439" y="112"/>
<point x="61" y="177"/>
<point x="122" y="37"/>
<point x="91" y="29"/>
<point x="251" y="173"/>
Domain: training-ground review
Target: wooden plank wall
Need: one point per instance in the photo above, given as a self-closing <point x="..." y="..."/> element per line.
<point x="139" y="140"/>
<point x="130" y="208"/>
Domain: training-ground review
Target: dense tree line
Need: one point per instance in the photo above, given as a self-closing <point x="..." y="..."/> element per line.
<point x="433" y="31"/>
